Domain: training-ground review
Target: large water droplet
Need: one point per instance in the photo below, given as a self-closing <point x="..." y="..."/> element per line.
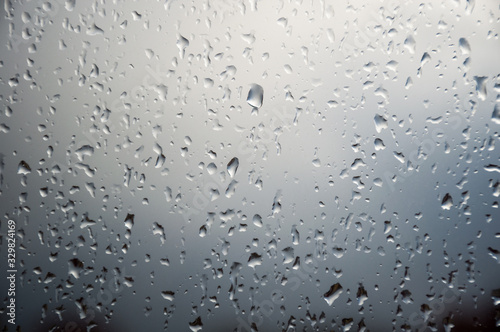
<point x="232" y="166"/>
<point x="410" y="44"/>
<point x="75" y="267"/>
<point x="196" y="325"/>
<point x="23" y="168"/>
<point x="464" y="46"/>
<point x="447" y="202"/>
<point x="129" y="221"/>
<point x="481" y="86"/>
<point x="257" y="220"/>
<point x="495" y="116"/>
<point x="333" y="293"/>
<point x="380" y="123"/>
<point x="254" y="260"/>
<point x="255" y="96"/>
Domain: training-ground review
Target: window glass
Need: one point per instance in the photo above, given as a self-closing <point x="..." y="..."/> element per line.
<point x="224" y="165"/>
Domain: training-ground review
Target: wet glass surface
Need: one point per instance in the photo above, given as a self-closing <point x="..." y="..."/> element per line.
<point x="251" y="165"/>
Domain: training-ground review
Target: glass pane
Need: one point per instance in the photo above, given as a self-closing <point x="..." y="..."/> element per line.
<point x="250" y="165"/>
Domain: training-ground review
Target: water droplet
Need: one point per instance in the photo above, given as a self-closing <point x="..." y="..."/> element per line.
<point x="182" y="44"/>
<point x="410" y="44"/>
<point x="75" y="267"/>
<point x="288" y="255"/>
<point x="129" y="221"/>
<point x="232" y="166"/>
<point x="168" y="295"/>
<point x="494" y="253"/>
<point x="255" y="96"/>
<point x="69" y="5"/>
<point x="379" y="144"/>
<point x="257" y="220"/>
<point x="94" y="30"/>
<point x="295" y="235"/>
<point x="380" y="123"/>
<point x="495" y="116"/>
<point x="203" y="231"/>
<point x="447" y="202"/>
<point x="481" y="86"/>
<point x="406" y="296"/>
<point x="254" y="260"/>
<point x="333" y="293"/>
<point x="464" y="46"/>
<point x="196" y="325"/>
<point x="23" y="168"/>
